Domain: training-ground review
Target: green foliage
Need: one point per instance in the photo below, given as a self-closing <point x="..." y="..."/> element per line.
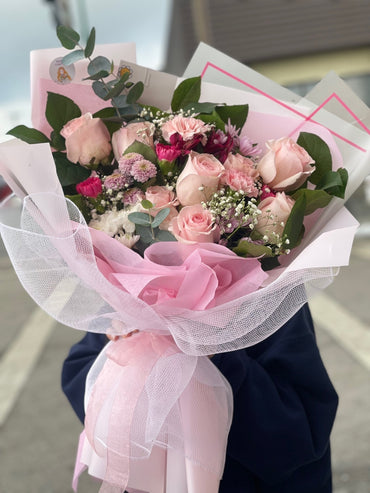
<point x="248" y="249"/>
<point x="68" y="37"/>
<point x="135" y="92"/>
<point x="315" y="199"/>
<point x="146" y="151"/>
<point x="334" y="182"/>
<point x="237" y="114"/>
<point x="99" y="64"/>
<point x="68" y="172"/>
<point x="294" y="226"/>
<point x="27" y="134"/>
<point x="187" y="92"/>
<point x="73" y="57"/>
<point x="90" y="44"/>
<point x="320" y="153"/>
<point x="60" y="110"/>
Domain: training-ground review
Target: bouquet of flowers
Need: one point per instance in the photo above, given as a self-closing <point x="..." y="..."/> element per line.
<point x="178" y="225"/>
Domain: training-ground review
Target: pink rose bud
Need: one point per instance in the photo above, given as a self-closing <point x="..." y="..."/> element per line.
<point x="286" y="165"/>
<point x="199" y="179"/>
<point x="91" y="187"/>
<point x="274" y="214"/>
<point x="194" y="224"/>
<point x="87" y="140"/>
<point x="125" y="136"/>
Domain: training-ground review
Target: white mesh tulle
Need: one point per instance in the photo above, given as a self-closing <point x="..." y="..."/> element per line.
<point x="57" y="262"/>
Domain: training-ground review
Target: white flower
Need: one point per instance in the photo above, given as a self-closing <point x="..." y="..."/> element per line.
<point x="115" y="222"/>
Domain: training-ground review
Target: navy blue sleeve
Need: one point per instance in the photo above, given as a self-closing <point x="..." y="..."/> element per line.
<point x="284" y="406"/>
<point x="76" y="367"/>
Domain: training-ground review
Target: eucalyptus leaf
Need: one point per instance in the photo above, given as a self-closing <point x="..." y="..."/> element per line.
<point x="99" y="88"/>
<point x="120" y="101"/>
<point x="145" y="233"/>
<point x="68" y="37"/>
<point x="141" y="218"/>
<point x="146" y="204"/>
<point x="320" y="153"/>
<point x="163" y="235"/>
<point x="118" y="88"/>
<point x="130" y="111"/>
<point x="99" y="75"/>
<point x="188" y="91"/>
<point x="27" y="134"/>
<point x="60" y="110"/>
<point x="98" y="64"/>
<point x="135" y="92"/>
<point x="69" y="173"/>
<point x="160" y="217"/>
<point x="90" y="44"/>
<point x="73" y="57"/>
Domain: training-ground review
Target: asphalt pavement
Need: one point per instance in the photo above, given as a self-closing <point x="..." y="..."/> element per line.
<point x="39" y="431"/>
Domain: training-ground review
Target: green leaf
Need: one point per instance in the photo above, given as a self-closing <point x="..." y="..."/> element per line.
<point x="118" y="88"/>
<point x="57" y="141"/>
<point x="90" y="45"/>
<point x="237" y="114"/>
<point x="73" y="57"/>
<point x="110" y="119"/>
<point x="99" y="88"/>
<point x="143" y="149"/>
<point x="334" y="182"/>
<point x="141" y="218"/>
<point x="27" y="134"/>
<point x="294" y="224"/>
<point x="69" y="173"/>
<point x="248" y="249"/>
<point x="187" y="92"/>
<point x="81" y="204"/>
<point x="60" y="110"/>
<point x="135" y="92"/>
<point x="215" y="118"/>
<point x="68" y="37"/>
<point x="160" y="217"/>
<point x="163" y="235"/>
<point x="315" y="199"/>
<point x="269" y="263"/>
<point x="130" y="111"/>
<point x="320" y="153"/>
<point x="145" y="233"/>
<point x="201" y="107"/>
<point x="146" y="204"/>
<point x="98" y="64"/>
<point x="99" y="75"/>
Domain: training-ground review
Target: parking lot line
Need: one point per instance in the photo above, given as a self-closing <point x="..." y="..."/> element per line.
<point x="18" y="361"/>
<point x="347" y="330"/>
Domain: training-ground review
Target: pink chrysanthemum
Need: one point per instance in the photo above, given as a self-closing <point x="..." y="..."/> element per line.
<point x="133" y="196"/>
<point x="116" y="181"/>
<point x="127" y="160"/>
<point x="143" y="170"/>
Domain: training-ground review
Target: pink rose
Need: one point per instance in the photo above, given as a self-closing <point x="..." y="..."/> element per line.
<point x="194" y="224"/>
<point x="199" y="179"/>
<point x="125" y="136"/>
<point x="286" y="165"/>
<point x="240" y="181"/>
<point x="91" y="187"/>
<point x="274" y="214"/>
<point x="87" y="140"/>
<point x="162" y="197"/>
<point x="186" y="127"/>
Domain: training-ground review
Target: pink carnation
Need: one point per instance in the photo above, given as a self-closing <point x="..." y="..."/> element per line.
<point x="186" y="127"/>
<point x="91" y="187"/>
<point x="169" y="153"/>
<point x="239" y="181"/>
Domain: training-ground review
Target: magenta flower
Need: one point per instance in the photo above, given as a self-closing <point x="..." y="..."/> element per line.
<point x="167" y="152"/>
<point x="91" y="187"/>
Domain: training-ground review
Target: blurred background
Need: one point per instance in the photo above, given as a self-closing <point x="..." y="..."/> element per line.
<point x="293" y="42"/>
